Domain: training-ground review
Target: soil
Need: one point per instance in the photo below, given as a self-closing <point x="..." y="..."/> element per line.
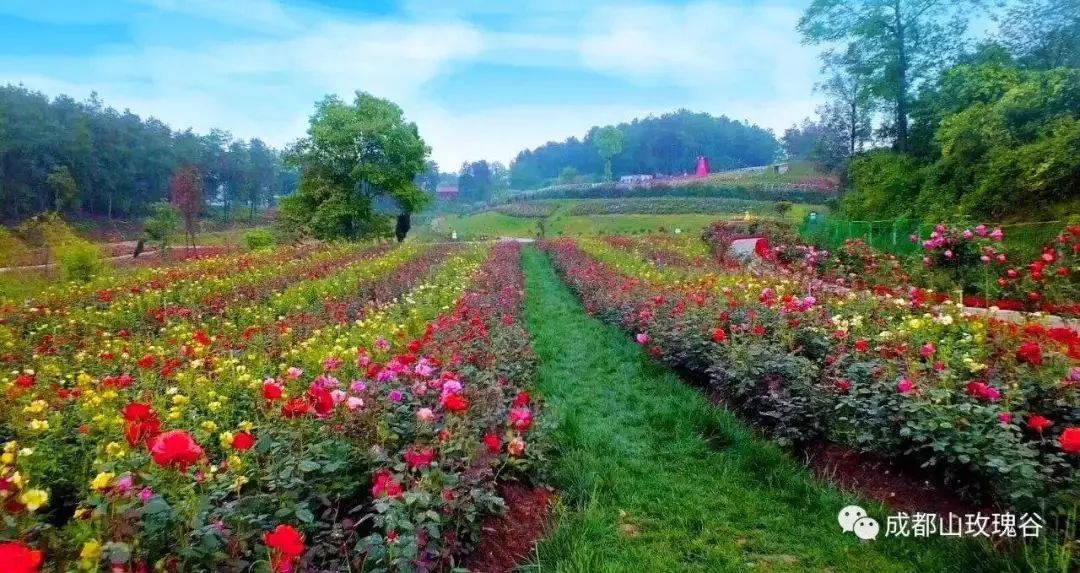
<point x="898" y="487"/>
<point x="899" y="484"/>
<point x="507" y="541"/>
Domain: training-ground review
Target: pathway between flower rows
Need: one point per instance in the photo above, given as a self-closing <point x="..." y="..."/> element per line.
<point x="652" y="477"/>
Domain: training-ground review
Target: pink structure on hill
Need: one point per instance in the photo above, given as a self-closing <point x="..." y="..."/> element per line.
<point x="702" y="167"/>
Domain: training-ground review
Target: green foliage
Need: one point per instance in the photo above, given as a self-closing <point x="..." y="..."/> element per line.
<point x="568" y="175"/>
<point x="163" y="221"/>
<point x="685" y="135"/>
<point x="1006" y="145"/>
<point x="899" y="44"/>
<point x="61" y="184"/>
<point x="886" y="184"/>
<point x="353" y="154"/>
<point x="80" y="261"/>
<point x="12" y="251"/>
<point x="782" y="208"/>
<point x="609" y="143"/>
<point x="256" y="239"/>
<point x="84" y="157"/>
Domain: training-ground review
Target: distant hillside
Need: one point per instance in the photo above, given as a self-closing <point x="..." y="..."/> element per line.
<point x="667" y="145"/>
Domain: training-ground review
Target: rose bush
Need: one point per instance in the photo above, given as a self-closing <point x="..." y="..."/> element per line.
<point x="994" y="407"/>
<point x="350" y="423"/>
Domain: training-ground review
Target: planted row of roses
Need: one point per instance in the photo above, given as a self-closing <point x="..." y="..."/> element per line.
<point x="994" y="407"/>
<point x="214" y="465"/>
<point x="62" y="295"/>
<point x="974" y="260"/>
<point x="143" y="308"/>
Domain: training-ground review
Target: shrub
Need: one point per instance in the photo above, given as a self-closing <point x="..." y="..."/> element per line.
<point x="12" y="251"/>
<point x="256" y="239"/>
<point x="80" y="261"/>
<point x="162" y="223"/>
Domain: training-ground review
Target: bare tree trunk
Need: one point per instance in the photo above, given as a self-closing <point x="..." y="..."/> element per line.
<point x="901" y="84"/>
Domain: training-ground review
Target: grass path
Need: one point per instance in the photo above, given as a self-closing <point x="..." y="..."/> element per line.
<point x="654" y="478"/>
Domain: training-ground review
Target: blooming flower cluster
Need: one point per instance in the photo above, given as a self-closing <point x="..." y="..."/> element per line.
<point x="236" y="432"/>
<point x="993" y="405"/>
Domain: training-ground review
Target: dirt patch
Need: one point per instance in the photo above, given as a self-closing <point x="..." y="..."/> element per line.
<point x="899" y="484"/>
<point x="507" y="540"/>
<point x="899" y="487"/>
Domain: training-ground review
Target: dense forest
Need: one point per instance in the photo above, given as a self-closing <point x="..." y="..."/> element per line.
<point x="924" y="121"/>
<point x="665" y="145"/>
<point x="83" y="158"/>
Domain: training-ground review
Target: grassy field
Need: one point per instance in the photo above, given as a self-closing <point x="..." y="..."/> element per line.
<point x="492" y="224"/>
<point x="655" y="478"/>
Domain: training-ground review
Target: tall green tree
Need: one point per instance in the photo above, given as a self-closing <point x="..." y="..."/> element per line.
<point x="1043" y="33"/>
<point x="120" y="163"/>
<point x="901" y="42"/>
<point x="609" y="143"/>
<point x="64" y="190"/>
<point x="352" y="154"/>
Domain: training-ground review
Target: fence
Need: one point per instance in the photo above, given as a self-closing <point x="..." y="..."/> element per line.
<point x="1022" y="239"/>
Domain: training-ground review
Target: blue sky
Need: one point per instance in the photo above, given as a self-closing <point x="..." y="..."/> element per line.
<point x="481" y="78"/>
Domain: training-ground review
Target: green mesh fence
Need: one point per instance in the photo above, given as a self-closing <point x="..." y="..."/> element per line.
<point x="1021" y="239"/>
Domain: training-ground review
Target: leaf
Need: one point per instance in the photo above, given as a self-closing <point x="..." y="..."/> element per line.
<point x="305" y="515"/>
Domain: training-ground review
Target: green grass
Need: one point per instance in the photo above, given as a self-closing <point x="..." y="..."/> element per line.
<point x="655" y="478"/>
<point x="490" y="224"/>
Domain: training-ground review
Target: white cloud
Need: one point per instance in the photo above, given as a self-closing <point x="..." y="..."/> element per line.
<point x="704" y="44"/>
<point x="263" y="80"/>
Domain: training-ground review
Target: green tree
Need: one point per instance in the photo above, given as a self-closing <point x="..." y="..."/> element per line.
<point x="1043" y="34"/>
<point x="61" y="184"/>
<point x="352" y="154"/>
<point x="164" y="220"/>
<point x="901" y="43"/>
<point x="609" y="143"/>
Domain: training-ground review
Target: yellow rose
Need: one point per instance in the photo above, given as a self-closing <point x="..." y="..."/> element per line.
<point x="34" y="499"/>
<point x="102" y="481"/>
<point x="91" y="552"/>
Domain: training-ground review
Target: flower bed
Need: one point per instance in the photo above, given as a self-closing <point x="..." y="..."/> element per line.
<point x="994" y="407"/>
<point x="364" y="437"/>
<point x="974" y="262"/>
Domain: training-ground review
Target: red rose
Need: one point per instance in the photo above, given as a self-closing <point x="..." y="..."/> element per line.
<point x="456" y="403"/>
<point x="719" y="335"/>
<point x="493" y="443"/>
<point x="142" y="424"/>
<point x="1070" y="440"/>
<point x="1038" y="423"/>
<point x="521" y="418"/>
<point x="146" y="361"/>
<point x="843" y="386"/>
<point x="271" y="390"/>
<point x="24" y="380"/>
<point x="385" y="484"/>
<point x="322" y="402"/>
<point x="137" y="412"/>
<point x="1031" y="353"/>
<point x="862" y="345"/>
<point x="522" y="399"/>
<point x="202" y="338"/>
<point x="18" y="558"/>
<point x="175" y="448"/>
<point x="243" y="441"/>
<point x="419" y="458"/>
<point x="295" y="408"/>
<point x="286" y="546"/>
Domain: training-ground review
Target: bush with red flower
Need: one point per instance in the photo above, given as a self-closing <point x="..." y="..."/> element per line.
<point x="987" y="404"/>
<point x="255" y="402"/>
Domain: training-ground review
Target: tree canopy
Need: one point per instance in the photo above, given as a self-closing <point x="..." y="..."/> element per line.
<point x="353" y="154"/>
<point x="668" y="145"/>
<point x="106" y="162"/>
